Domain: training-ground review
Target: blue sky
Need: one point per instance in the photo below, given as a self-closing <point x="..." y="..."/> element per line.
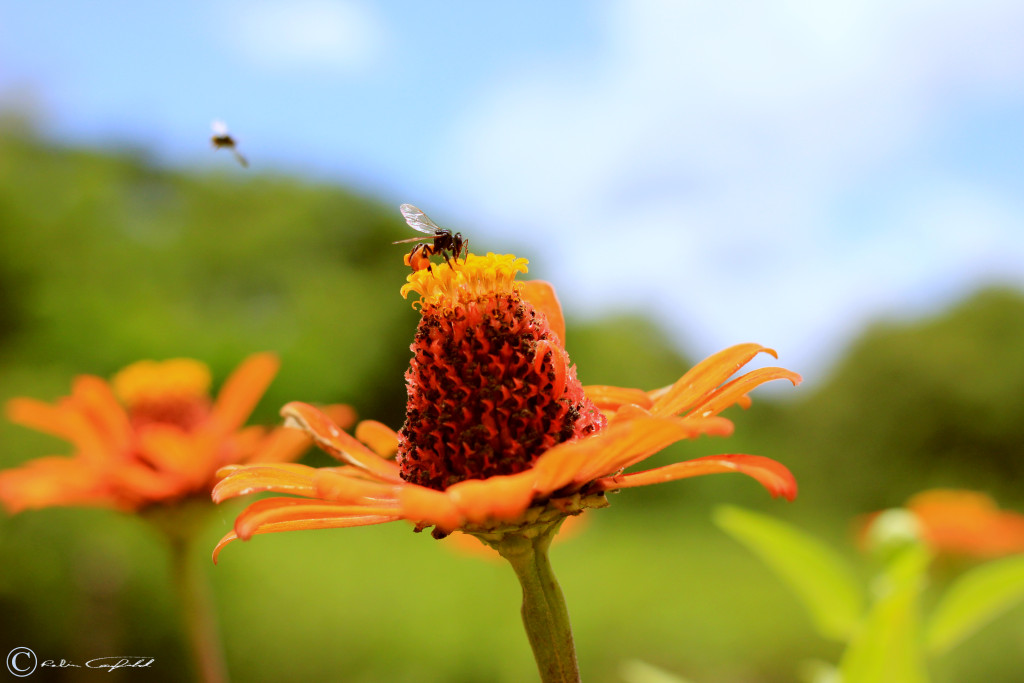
<point x="776" y="172"/>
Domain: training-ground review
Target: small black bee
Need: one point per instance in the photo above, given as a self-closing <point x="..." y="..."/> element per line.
<point x="222" y="139"/>
<point x="444" y="242"/>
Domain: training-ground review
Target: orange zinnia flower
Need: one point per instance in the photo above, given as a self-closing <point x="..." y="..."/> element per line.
<point x="152" y="435"/>
<point x="967" y="523"/>
<point x="500" y="436"/>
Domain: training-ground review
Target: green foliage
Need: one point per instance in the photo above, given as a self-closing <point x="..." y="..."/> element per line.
<point x="976" y="598"/>
<point x="888" y="642"/>
<point x="887" y="647"/>
<point x="636" y="671"/>
<point x="918" y="404"/>
<point x="824" y="582"/>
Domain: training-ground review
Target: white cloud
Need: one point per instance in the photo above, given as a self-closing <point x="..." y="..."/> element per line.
<point x="338" y="35"/>
<point x="704" y="164"/>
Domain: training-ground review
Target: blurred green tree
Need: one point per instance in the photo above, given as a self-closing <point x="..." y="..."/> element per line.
<point x="933" y="402"/>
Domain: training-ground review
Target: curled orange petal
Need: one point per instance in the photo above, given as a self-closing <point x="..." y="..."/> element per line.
<point x="338" y="443"/>
<point x="736" y="390"/>
<point x="306" y="524"/>
<point x="314" y="512"/>
<point x="774" y="476"/>
<point x="705" y="377"/>
<point x="280" y="477"/>
<point x="626" y="443"/>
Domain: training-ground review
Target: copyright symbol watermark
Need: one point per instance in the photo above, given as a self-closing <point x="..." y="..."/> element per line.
<point x="21" y="661"/>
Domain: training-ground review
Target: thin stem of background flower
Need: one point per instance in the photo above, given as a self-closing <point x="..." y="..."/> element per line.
<point x="198" y="613"/>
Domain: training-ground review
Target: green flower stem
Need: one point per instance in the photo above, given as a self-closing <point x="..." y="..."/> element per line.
<point x="180" y="525"/>
<point x="196" y="602"/>
<point x="544" y="613"/>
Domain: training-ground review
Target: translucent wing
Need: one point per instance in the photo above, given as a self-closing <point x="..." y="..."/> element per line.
<point x="418" y="220"/>
<point x="219" y="128"/>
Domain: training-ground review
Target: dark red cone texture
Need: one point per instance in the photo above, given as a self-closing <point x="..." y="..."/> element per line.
<point x="487" y="395"/>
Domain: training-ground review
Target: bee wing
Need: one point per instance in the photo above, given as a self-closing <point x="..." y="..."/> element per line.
<point x="411" y="239"/>
<point x="219" y="128"/>
<point x="418" y="220"/>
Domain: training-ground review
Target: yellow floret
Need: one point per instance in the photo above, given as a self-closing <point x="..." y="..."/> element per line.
<point x="463" y="281"/>
<point x="155" y="380"/>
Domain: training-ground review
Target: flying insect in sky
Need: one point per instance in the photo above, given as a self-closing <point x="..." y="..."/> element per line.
<point x="222" y="139"/>
<point x="440" y="241"/>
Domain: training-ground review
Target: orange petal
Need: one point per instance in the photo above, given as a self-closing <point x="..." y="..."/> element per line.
<point x="172" y="451"/>
<point x="281" y="445"/>
<point x="342" y="487"/>
<point x="628" y="412"/>
<point x="242" y="391"/>
<point x="52" y="481"/>
<point x="503" y="497"/>
<point x="276" y="510"/>
<point x="967" y="523"/>
<point x="557" y="467"/>
<point x="427" y="506"/>
<point x="40" y="416"/>
<point x="137" y="483"/>
<point x="704" y="378"/>
<point x="341" y="414"/>
<point x="626" y="443"/>
<point x="379" y="437"/>
<point x="95" y="399"/>
<point x="63" y="421"/>
<point x="736" y="390"/>
<point x="336" y="442"/>
<point x="773" y="475"/>
<point x="542" y="296"/>
<point x="305" y="524"/>
<point x="612" y="398"/>
<point x="241" y="480"/>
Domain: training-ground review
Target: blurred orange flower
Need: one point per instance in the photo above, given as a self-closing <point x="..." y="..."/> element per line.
<point x="151" y="435"/>
<point x="961" y="522"/>
<point x="499" y="436"/>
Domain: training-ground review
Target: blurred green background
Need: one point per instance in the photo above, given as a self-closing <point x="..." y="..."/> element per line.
<point x="106" y="258"/>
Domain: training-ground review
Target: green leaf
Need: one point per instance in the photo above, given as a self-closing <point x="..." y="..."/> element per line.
<point x="821" y="579"/>
<point x="636" y="671"/>
<point x="977" y="597"/>
<point x="817" y="671"/>
<point x="887" y="648"/>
